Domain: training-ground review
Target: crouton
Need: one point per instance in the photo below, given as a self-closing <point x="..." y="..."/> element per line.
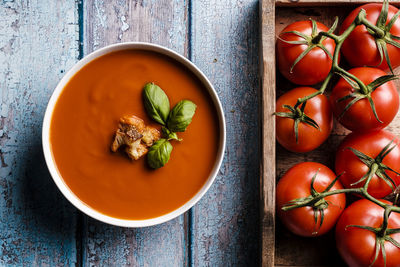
<point x="136" y="150"/>
<point x="150" y="135"/>
<point x="135" y="136"/>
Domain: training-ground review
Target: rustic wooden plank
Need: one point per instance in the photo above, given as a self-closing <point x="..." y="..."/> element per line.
<point x="162" y="22"/>
<point x="267" y="176"/>
<point x="313" y="3"/>
<point x="38" y="43"/>
<point x="225" y="46"/>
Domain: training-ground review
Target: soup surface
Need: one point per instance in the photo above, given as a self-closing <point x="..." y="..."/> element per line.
<point x="86" y="117"/>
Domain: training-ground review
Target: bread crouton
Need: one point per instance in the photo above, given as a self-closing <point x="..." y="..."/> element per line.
<point x="136" y="150"/>
<point x="150" y="135"/>
<point x="135" y="136"/>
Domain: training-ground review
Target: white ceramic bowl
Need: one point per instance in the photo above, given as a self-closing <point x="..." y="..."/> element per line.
<point x="52" y="165"/>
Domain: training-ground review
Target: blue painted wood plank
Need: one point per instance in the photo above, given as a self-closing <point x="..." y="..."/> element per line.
<point x="38" y="43"/>
<point x="225" y="46"/>
<point x="162" y="22"/>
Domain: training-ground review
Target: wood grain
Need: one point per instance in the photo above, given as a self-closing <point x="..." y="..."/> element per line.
<point x="267" y="176"/>
<point x="319" y="251"/>
<point x="161" y="22"/>
<point x="313" y="3"/>
<point x="225" y="47"/>
<point x="38" y="43"/>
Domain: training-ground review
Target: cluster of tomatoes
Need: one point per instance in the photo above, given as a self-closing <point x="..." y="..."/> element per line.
<point x="368" y="154"/>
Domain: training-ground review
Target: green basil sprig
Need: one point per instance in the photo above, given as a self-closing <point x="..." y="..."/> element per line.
<point x="159" y="153"/>
<point x="178" y="119"/>
<point x="156" y="103"/>
<point x="181" y="116"/>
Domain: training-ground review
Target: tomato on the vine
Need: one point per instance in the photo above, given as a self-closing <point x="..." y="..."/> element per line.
<point x="310" y="198"/>
<point x="309" y="136"/>
<point x="360" y="116"/>
<point x="361" y="47"/>
<point x="357" y="246"/>
<point x="296" y="183"/>
<point x="316" y="62"/>
<point x="374" y="153"/>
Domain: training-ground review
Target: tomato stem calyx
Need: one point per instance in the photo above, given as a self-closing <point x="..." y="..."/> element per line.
<point x="299" y="116"/>
<point x="376" y="167"/>
<point x="382" y="235"/>
<point x="314" y="41"/>
<point x="362" y="91"/>
<point x="381" y="33"/>
<point x="315" y="200"/>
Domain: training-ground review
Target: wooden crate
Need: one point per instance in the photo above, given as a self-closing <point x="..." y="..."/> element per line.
<point x="279" y="246"/>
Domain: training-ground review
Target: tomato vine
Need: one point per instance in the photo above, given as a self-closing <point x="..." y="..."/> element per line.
<point x="382" y="35"/>
<point x="316" y="200"/>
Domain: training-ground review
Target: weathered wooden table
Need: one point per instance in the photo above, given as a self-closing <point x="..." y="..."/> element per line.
<point x="39" y="41"/>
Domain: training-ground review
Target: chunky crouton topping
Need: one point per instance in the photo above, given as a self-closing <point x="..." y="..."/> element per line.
<point x="135" y="136"/>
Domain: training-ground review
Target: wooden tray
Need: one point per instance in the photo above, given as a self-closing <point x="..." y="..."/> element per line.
<point x="279" y="246"/>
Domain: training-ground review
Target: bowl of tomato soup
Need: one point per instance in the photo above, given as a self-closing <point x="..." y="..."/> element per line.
<point x="83" y="114"/>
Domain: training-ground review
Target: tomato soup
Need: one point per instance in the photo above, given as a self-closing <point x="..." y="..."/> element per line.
<point x="86" y="117"/>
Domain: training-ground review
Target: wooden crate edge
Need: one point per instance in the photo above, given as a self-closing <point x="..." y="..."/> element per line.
<point x="267" y="168"/>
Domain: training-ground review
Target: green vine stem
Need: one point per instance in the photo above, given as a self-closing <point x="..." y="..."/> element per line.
<point x="361" y="90"/>
<point x="363" y="191"/>
<point x="317" y="201"/>
<point x="378" y="32"/>
<point x="360" y="191"/>
<point x="336" y="69"/>
<point x="381" y="32"/>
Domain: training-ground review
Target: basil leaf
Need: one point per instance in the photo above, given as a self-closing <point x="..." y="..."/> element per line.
<point x="159" y="153"/>
<point x="181" y="116"/>
<point x="156" y="103"/>
<point x="170" y="135"/>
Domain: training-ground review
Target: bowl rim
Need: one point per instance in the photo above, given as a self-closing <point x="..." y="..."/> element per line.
<point x="56" y="176"/>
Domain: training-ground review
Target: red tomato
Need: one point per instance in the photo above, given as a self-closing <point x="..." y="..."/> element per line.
<point x="360" y="117"/>
<point x="360" y="48"/>
<point x="371" y="144"/>
<point x="357" y="246"/>
<point x="313" y="67"/>
<point x="295" y="184"/>
<point x="309" y="138"/>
